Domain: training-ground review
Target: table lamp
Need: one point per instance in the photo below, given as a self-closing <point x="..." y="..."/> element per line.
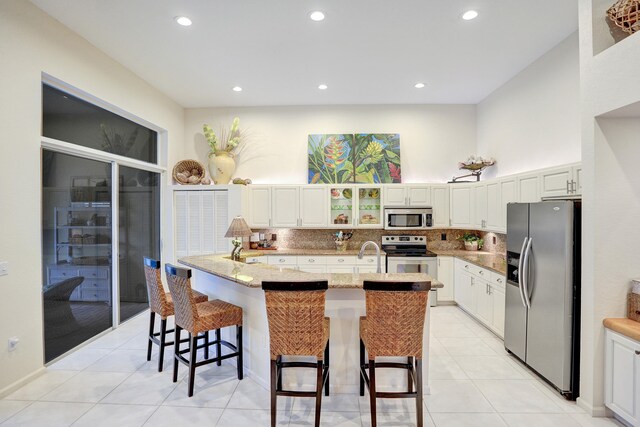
<point x="238" y="229"/>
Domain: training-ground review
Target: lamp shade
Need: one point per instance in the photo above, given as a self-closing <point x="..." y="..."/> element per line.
<point x="238" y="228"/>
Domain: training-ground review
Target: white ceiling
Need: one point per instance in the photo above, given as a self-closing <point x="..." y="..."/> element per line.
<point x="366" y="51"/>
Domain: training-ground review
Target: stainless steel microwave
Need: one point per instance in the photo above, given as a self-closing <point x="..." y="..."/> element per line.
<point x="408" y="218"/>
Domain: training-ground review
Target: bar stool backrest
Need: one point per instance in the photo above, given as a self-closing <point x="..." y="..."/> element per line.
<point x="184" y="304"/>
<point x="395" y="317"/>
<point x="295" y="312"/>
<point x="157" y="295"/>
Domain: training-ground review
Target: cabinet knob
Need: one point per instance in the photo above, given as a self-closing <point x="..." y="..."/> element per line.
<point x="638" y="352"/>
<point x="312" y="260"/>
<point x="499" y="280"/>
<point x="369" y="260"/>
<point x="281" y="260"/>
<point x="341" y="260"/>
<point x="466" y="266"/>
<point x="481" y="272"/>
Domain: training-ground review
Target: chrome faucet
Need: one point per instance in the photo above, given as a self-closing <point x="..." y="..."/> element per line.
<point x="364" y="246"/>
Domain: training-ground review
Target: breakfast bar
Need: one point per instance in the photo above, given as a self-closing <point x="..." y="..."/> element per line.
<point x="240" y="283"/>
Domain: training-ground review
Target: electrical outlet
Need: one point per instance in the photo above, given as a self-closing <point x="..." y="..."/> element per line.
<point x="13" y="343"/>
<point x="443" y="236"/>
<point x="494" y="240"/>
<point x="4" y="268"/>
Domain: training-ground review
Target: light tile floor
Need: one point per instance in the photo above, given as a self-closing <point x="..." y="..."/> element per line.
<point x="474" y="382"/>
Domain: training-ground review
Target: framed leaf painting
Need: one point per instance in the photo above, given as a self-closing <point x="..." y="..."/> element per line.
<point x="350" y="158"/>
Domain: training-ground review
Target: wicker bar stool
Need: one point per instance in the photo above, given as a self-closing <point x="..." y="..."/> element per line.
<point x="197" y="318"/>
<point x="161" y="303"/>
<point x="297" y="327"/>
<point x="393" y="327"/>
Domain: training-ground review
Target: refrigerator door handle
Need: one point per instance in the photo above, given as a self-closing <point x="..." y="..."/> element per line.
<point x="525" y="273"/>
<point x="520" y="263"/>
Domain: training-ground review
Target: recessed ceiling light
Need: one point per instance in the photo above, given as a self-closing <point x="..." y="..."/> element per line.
<point x="237" y="89"/>
<point x="323" y="87"/>
<point x="469" y="15"/>
<point x="183" y="20"/>
<point x="316" y="16"/>
<point x="419" y="85"/>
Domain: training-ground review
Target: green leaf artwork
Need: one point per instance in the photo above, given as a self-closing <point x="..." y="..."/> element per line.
<point x="361" y="158"/>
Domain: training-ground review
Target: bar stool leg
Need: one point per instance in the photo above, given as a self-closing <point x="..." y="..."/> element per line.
<point x="409" y="377"/>
<point x="419" y="404"/>
<point x="176" y="352"/>
<point x="274" y="376"/>
<point x="360" y="370"/>
<point x="326" y="367"/>
<point x="218" y="347"/>
<point x="152" y="320"/>
<point x="372" y="392"/>
<point x="319" y="378"/>
<point x="193" y="343"/>
<point x="206" y="345"/>
<point x="239" y="360"/>
<point x="280" y="373"/>
<point x="163" y="340"/>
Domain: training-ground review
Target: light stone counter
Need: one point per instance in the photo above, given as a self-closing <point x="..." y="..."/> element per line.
<point x="252" y="275"/>
<point x="492" y="261"/>
<point x="239" y="284"/>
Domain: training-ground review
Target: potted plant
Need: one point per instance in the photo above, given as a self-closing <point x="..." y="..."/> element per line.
<point x="472" y="242"/>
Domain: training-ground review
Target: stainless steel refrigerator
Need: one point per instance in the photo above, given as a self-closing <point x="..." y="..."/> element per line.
<point x="542" y="314"/>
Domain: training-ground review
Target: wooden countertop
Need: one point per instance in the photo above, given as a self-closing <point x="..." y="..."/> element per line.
<point x="252" y="275"/>
<point x="627" y="327"/>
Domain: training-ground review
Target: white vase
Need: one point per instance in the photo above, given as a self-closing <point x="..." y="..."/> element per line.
<point x="221" y="167"/>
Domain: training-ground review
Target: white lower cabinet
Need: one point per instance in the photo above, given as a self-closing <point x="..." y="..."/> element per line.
<point x="480" y="292"/>
<point x="325" y="263"/>
<point x="622" y="376"/>
<point x="445" y="276"/>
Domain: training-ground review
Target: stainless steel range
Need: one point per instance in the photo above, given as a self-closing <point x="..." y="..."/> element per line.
<point x="409" y="254"/>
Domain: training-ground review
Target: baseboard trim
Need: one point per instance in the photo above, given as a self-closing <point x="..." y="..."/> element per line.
<point x="21" y="382"/>
<point x="594" y="411"/>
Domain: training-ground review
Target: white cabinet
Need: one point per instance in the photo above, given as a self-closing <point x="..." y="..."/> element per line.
<point x="479" y="205"/>
<point x="200" y="222"/>
<point x="494" y="206"/>
<point x="481" y="293"/>
<point x="440" y="204"/>
<point x="561" y="181"/>
<point x="285" y="206"/>
<point x="407" y="195"/>
<point x="445" y="276"/>
<point x="259" y="206"/>
<point x="622" y="376"/>
<point x="314" y="206"/>
<point x="508" y="194"/>
<point x="528" y="188"/>
<point x="461" y="207"/>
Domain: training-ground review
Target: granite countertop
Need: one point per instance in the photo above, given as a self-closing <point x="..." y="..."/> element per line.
<point x="627" y="327"/>
<point x="310" y="252"/>
<point x="489" y="260"/>
<point x="252" y="275"/>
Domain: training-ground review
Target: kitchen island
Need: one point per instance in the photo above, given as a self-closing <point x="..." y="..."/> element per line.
<point x="240" y="283"/>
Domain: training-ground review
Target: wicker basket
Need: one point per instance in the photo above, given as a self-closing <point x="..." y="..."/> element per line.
<point x="188" y="166"/>
<point x="626" y="15"/>
<point x="634" y="307"/>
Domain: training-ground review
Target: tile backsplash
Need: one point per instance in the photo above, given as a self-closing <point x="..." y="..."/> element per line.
<point x="323" y="239"/>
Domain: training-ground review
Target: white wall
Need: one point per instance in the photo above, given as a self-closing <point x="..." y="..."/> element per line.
<point x="609" y="81"/>
<point x="534" y="114"/>
<point x="433" y="138"/>
<point x="32" y="43"/>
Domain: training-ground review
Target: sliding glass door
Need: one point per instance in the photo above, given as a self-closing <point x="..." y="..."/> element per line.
<point x="77" y="250"/>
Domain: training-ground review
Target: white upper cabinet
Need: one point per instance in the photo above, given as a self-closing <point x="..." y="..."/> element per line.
<point x="480" y="205"/>
<point x="461" y="208"/>
<point x="494" y="206"/>
<point x="561" y="181"/>
<point x="395" y="195"/>
<point x="285" y="206"/>
<point x="528" y="188"/>
<point x="556" y="182"/>
<point x="508" y="194"/>
<point x="407" y="195"/>
<point x="259" y="206"/>
<point x="440" y="204"/>
<point x="419" y="195"/>
<point x="314" y="206"/>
